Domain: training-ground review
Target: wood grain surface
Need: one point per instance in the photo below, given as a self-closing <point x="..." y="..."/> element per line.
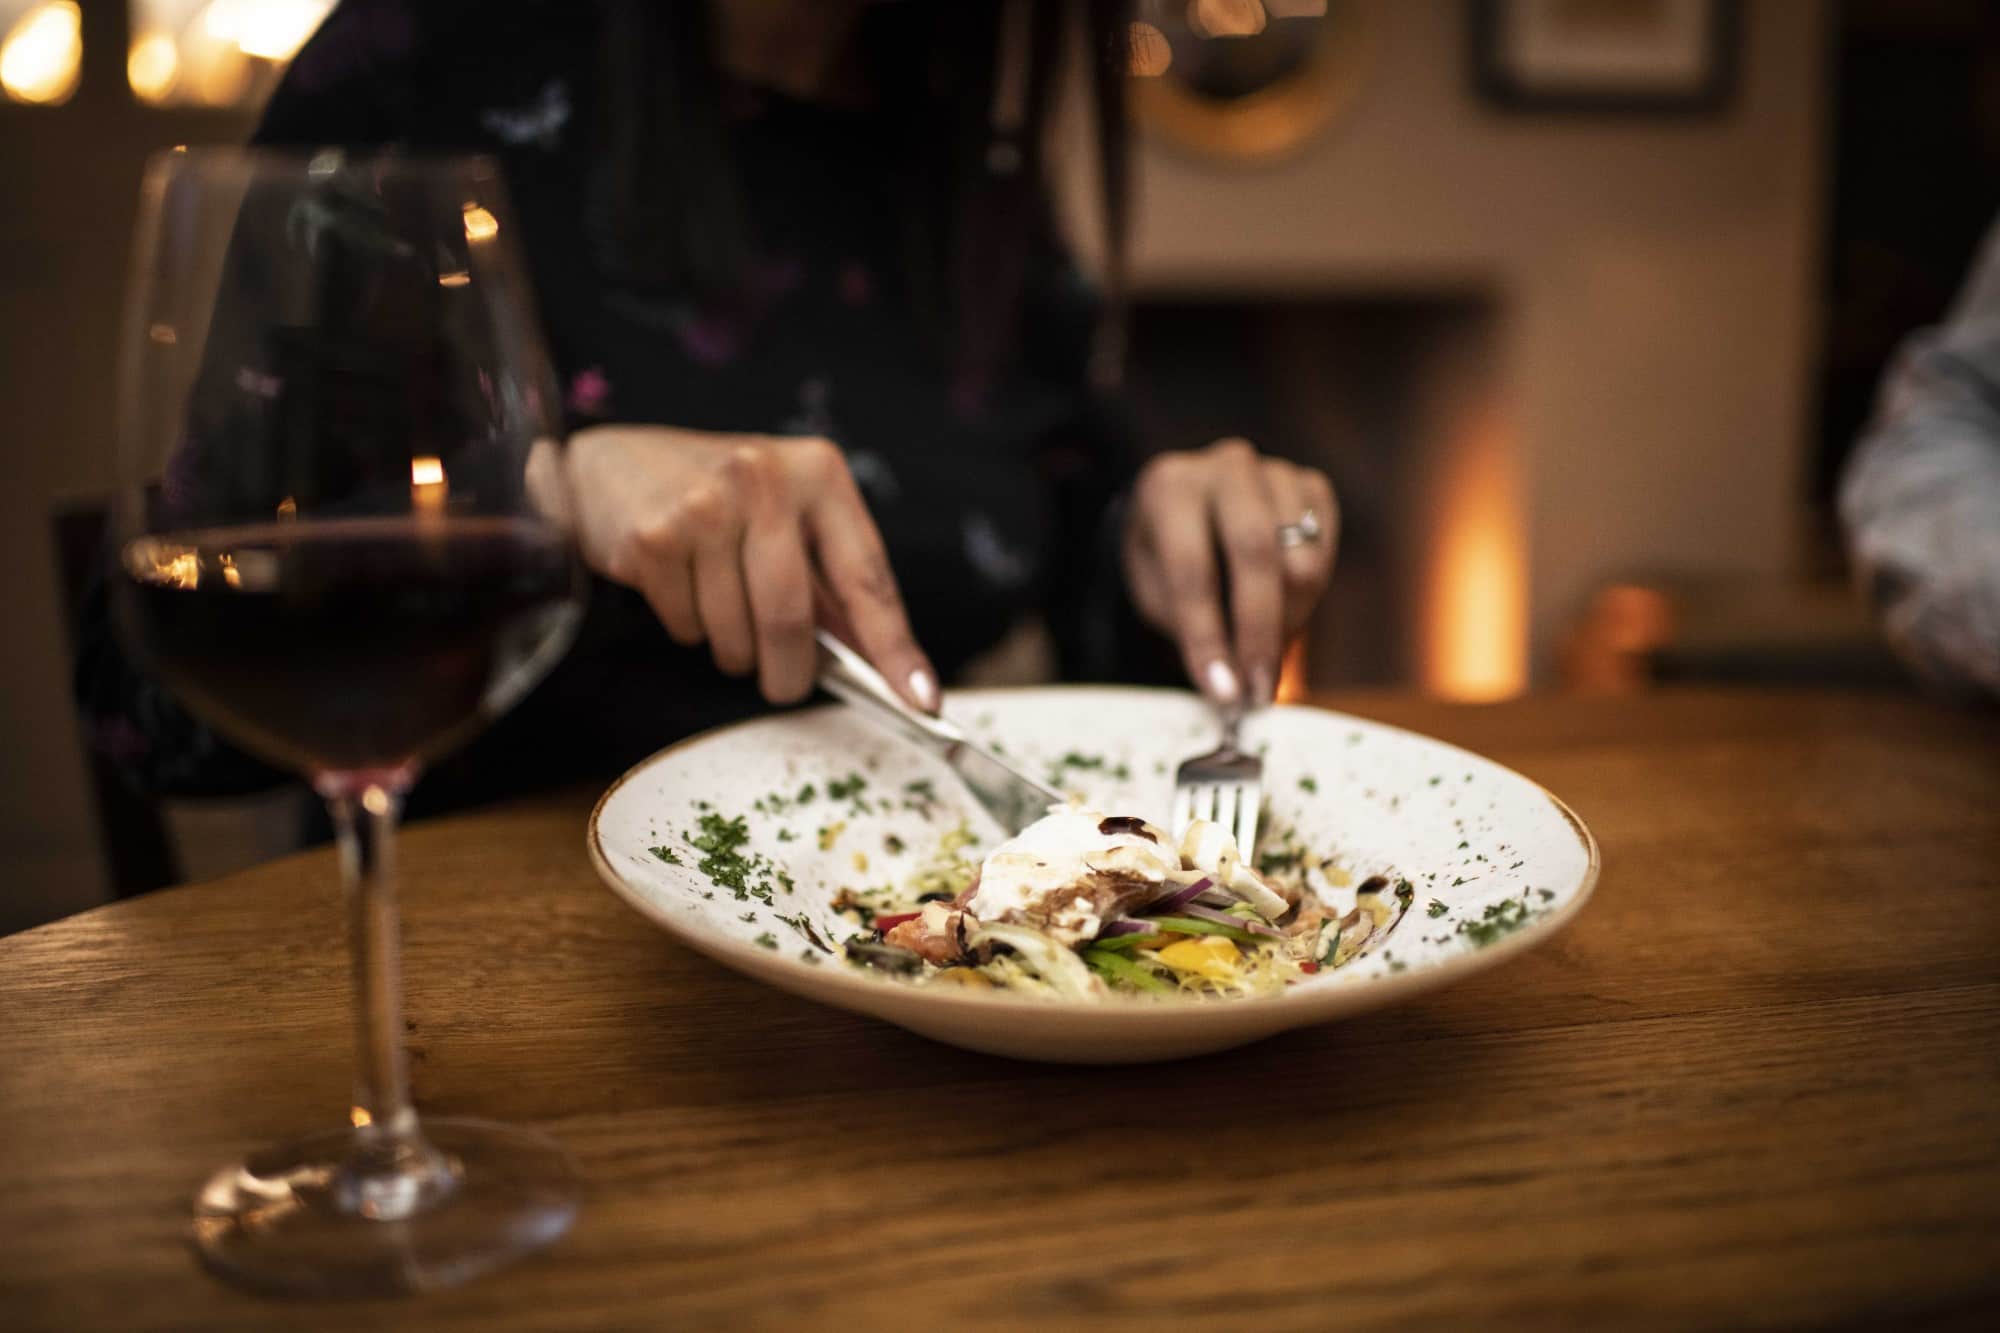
<point x="1756" y="1084"/>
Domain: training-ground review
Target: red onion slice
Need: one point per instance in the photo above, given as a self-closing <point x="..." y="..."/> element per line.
<point x="1180" y="897"/>
<point x="1114" y="928"/>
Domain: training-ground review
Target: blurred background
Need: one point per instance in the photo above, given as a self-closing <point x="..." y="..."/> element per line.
<point x="1580" y="302"/>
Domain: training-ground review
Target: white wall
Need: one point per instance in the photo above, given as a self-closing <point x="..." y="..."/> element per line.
<point x="1655" y="280"/>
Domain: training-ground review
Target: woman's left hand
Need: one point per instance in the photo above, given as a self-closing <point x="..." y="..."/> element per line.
<point x="1228" y="498"/>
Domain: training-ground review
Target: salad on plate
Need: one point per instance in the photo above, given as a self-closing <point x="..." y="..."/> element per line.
<point x="1083" y="904"/>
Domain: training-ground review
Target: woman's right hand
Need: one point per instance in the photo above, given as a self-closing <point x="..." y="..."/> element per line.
<point x="724" y="535"/>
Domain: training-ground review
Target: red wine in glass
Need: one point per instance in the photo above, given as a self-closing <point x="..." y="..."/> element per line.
<point x="351" y="645"/>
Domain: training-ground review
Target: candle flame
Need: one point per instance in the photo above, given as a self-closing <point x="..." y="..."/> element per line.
<point x="480" y="225"/>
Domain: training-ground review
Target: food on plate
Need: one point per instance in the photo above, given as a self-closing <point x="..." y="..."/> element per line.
<point x="1082" y="904"/>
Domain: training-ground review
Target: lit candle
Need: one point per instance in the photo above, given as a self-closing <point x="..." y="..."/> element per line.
<point x="428" y="487"/>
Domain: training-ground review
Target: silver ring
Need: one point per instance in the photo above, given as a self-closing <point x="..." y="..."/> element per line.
<point x="1302" y="533"/>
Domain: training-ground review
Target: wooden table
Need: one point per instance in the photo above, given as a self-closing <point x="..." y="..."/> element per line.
<point x="1758" y="1082"/>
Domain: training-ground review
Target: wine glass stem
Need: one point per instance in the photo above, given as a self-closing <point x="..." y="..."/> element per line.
<point x="393" y="1172"/>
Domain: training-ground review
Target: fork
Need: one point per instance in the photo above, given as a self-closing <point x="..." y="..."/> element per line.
<point x="1224" y="786"/>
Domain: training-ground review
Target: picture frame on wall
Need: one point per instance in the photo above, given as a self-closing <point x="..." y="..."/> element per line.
<point x="1630" y="57"/>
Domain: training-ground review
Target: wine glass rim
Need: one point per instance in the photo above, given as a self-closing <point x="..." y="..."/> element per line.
<point x="248" y="160"/>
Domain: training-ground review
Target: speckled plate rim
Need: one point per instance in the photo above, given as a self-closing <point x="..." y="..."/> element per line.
<point x="1292" y="1008"/>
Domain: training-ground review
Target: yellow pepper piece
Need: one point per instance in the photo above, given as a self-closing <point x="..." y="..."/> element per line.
<point x="1209" y="956"/>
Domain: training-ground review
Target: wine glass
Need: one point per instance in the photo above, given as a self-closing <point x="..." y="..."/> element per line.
<point x="342" y="541"/>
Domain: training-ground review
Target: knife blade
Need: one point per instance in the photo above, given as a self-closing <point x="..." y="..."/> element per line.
<point x="1014" y="799"/>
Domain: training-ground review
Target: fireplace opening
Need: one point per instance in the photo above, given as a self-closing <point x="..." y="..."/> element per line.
<point x="1398" y="399"/>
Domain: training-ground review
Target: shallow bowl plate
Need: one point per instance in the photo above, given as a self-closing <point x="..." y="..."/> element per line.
<point x="1495" y="864"/>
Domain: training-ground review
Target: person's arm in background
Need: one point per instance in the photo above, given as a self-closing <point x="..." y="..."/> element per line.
<point x="1921" y="495"/>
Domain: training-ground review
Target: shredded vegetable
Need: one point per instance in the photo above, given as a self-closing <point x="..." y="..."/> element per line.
<point x="1090" y="907"/>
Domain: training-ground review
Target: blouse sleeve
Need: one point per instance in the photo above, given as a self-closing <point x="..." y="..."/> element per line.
<point x="1921" y="496"/>
<point x="1094" y="458"/>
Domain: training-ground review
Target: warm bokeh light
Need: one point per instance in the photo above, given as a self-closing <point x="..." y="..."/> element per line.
<point x="1150" y="52"/>
<point x="480" y="225"/>
<point x="455" y="278"/>
<point x="215" y="52"/>
<point x="162" y="564"/>
<point x="1292" y="687"/>
<point x="266" y="29"/>
<point x="153" y="67"/>
<point x="213" y="71"/>
<point x="1225" y="18"/>
<point x="1475" y="618"/>
<point x="42" y="55"/>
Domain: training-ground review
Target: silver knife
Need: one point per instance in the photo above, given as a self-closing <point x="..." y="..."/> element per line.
<point x="1014" y="799"/>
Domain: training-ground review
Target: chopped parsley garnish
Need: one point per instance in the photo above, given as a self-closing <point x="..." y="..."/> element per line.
<point x="1405" y="891"/>
<point x="727" y="864"/>
<point x="721" y="842"/>
<point x="806" y="793"/>
<point x="767" y="941"/>
<point x="667" y="854"/>
<point x="847" y="788"/>
<point x="1435" y="781"/>
<point x="1548" y="895"/>
<point x="748" y="917"/>
<point x="892" y="844"/>
<point x="920" y="796"/>
<point x="1281" y="852"/>
<point x="1436" y="909"/>
<point x="1309" y="783"/>
<point x="1498" y="921"/>
<point x="1087" y="763"/>
<point x="1332" y="948"/>
<point x="786" y="835"/>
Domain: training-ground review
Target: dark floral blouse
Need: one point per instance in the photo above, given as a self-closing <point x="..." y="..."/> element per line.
<point x="991" y="502"/>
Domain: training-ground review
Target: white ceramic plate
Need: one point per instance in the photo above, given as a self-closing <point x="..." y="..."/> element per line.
<point x="1497" y="863"/>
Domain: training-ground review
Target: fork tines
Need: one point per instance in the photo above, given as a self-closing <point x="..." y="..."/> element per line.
<point x="1224" y="786"/>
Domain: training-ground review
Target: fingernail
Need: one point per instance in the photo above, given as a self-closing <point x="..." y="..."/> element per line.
<point x="924" y="686"/>
<point x="1221" y="681"/>
<point x="1263" y="685"/>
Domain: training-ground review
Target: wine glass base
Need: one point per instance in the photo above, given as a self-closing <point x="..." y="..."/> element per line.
<point x="285" y="1221"/>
